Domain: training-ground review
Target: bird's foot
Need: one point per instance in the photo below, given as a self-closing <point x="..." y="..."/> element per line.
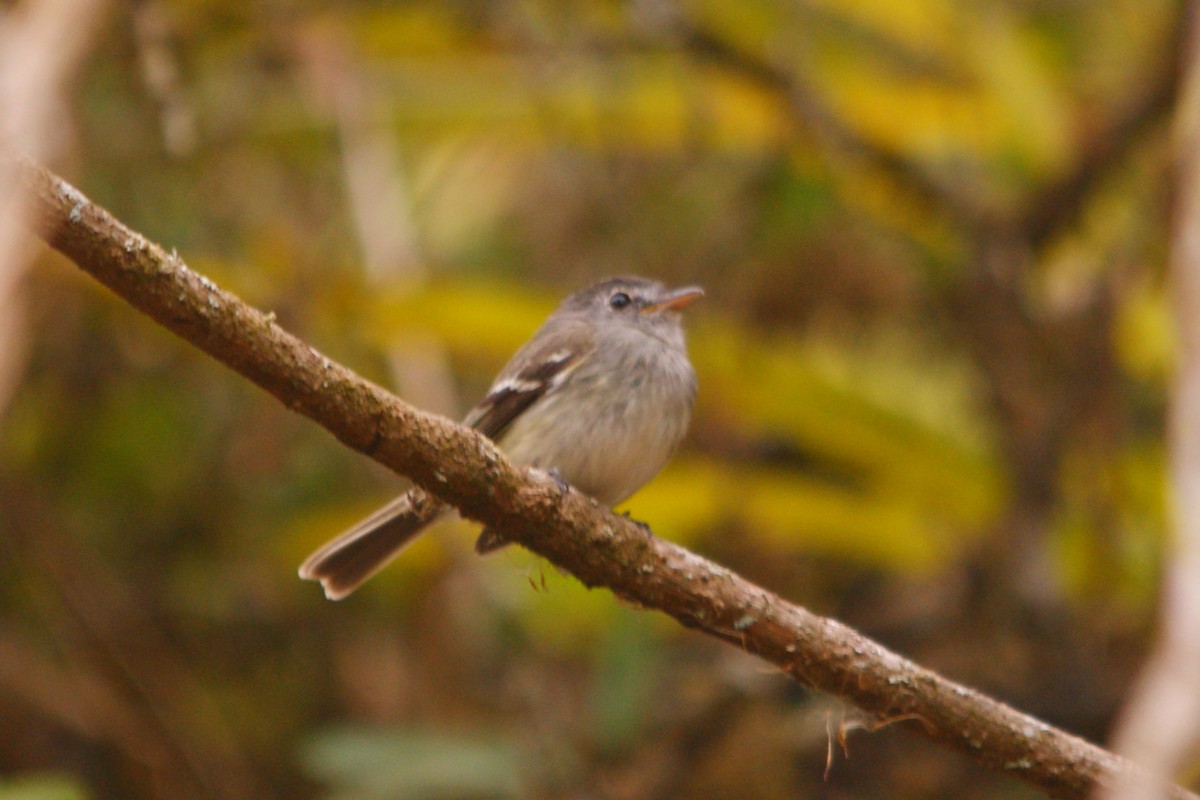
<point x="643" y="525"/>
<point x="559" y="481"/>
<point x="489" y="542"/>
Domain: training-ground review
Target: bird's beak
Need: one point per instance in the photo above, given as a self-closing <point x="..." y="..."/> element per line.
<point x="675" y="300"/>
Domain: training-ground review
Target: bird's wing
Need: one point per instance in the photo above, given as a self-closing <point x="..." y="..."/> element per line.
<point x="519" y="387"/>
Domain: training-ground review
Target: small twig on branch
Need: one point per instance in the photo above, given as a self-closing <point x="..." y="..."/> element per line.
<point x="572" y="531"/>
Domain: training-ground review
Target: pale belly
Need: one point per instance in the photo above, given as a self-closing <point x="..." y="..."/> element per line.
<point x="620" y="444"/>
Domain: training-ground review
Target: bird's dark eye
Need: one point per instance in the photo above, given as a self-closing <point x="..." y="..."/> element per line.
<point x="619" y="300"/>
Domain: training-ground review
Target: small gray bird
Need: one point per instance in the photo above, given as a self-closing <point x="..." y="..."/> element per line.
<point x="601" y="395"/>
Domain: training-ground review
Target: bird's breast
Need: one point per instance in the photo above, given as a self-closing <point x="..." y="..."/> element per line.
<point x="612" y="425"/>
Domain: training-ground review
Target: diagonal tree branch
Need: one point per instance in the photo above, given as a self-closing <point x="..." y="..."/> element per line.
<point x="573" y="531"/>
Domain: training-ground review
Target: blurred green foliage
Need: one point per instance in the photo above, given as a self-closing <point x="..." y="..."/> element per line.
<point x="932" y="357"/>
<point x="44" y="787"/>
<point x="372" y="764"/>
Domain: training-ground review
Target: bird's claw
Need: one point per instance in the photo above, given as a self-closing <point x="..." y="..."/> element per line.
<point x="559" y="480"/>
<point x="644" y="526"/>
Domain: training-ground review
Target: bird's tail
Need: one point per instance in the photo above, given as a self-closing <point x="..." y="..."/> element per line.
<point x="344" y="563"/>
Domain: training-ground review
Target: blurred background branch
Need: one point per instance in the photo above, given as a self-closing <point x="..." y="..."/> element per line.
<point x="380" y="200"/>
<point x="41" y="45"/>
<point x="1161" y="724"/>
